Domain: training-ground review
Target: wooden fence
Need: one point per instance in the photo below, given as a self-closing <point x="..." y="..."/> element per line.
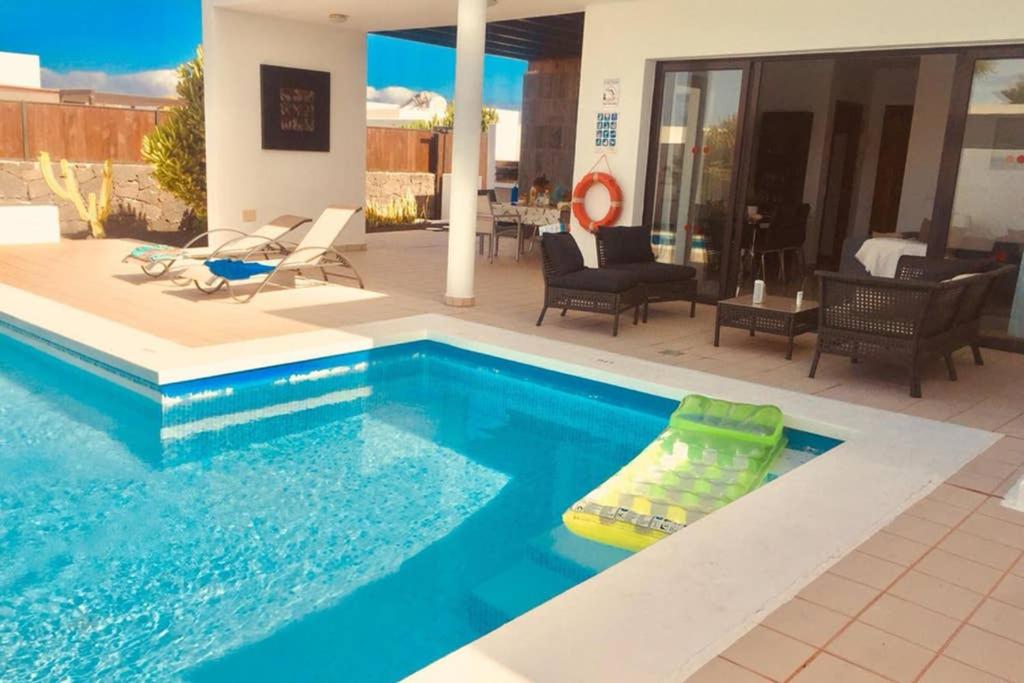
<point x="73" y="132"/>
<point x="405" y="150"/>
<point x="93" y="133"/>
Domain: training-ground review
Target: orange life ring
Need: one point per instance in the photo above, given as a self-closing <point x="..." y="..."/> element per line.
<point x="580" y="192"/>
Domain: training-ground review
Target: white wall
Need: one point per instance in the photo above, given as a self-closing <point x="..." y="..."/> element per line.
<point x="240" y="174"/>
<point x="507" y="134"/>
<point x="927" y="133"/>
<point x="19" y="70"/>
<point x="621" y="40"/>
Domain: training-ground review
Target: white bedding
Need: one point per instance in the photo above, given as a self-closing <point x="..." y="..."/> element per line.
<point x="879" y="255"/>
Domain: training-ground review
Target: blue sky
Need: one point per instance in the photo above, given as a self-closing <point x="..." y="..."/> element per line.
<point x="120" y="39"/>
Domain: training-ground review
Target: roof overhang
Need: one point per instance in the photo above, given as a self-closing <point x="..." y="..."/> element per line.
<point x="393" y="15"/>
<point x="560" y="35"/>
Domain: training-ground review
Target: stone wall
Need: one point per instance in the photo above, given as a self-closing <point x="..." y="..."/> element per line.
<point x="548" y="140"/>
<point x="384" y="186"/>
<point x="138" y="203"/>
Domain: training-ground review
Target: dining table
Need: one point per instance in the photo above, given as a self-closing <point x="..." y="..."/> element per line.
<point x="527" y="216"/>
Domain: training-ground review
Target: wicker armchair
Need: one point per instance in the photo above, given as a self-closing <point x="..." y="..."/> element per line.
<point x="629" y="249"/>
<point x="902" y="321"/>
<point x="571" y="286"/>
<point x="966" y="329"/>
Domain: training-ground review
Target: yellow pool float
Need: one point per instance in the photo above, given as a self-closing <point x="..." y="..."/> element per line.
<point x="711" y="453"/>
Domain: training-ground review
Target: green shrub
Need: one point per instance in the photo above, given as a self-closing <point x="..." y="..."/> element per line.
<point x="176" y="149"/>
<point x="396" y="211"/>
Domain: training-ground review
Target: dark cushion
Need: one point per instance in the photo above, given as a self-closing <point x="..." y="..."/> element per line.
<point x="597" y="280"/>
<point x="562" y="253"/>
<point x="626" y="244"/>
<point x="652" y="271"/>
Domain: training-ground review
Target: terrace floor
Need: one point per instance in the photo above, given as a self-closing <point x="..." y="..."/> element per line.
<point x="936" y="596"/>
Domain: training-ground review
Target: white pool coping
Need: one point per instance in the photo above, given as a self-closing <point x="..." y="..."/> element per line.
<point x="661" y="614"/>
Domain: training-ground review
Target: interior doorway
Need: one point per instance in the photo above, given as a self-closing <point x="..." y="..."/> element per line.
<point x="839" y="182"/>
<point x="892" y="162"/>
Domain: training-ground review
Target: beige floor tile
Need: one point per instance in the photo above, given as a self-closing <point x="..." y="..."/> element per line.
<point x="894" y="548"/>
<point x="946" y="670"/>
<point x="719" y="670"/>
<point x="917" y="529"/>
<point x="979" y="549"/>
<point x="1009" y="483"/>
<point x="990" y="467"/>
<point x="827" y="669"/>
<point x="959" y="571"/>
<point x="996" y="530"/>
<point x="990" y="414"/>
<point x="1008" y="449"/>
<point x="881" y="652"/>
<point x="988" y="652"/>
<point x="868" y="569"/>
<point x="1002" y="619"/>
<point x="956" y="496"/>
<point x="806" y="621"/>
<point x="769" y="653"/>
<point x="941" y="512"/>
<point x="839" y="594"/>
<point x="993" y="507"/>
<point x="975" y="482"/>
<point x="1010" y="590"/>
<point x="910" y="621"/>
<point x="1014" y="427"/>
<point x="936" y="594"/>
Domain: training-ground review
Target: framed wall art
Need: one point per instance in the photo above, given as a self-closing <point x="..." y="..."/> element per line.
<point x="296" y="108"/>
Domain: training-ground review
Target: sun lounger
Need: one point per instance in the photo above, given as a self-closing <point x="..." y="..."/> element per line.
<point x="158" y="259"/>
<point x="314" y="252"/>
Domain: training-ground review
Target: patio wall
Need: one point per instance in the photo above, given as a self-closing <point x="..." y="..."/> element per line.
<point x="241" y="176"/>
<point x="138" y="202"/>
<point x="623" y="40"/>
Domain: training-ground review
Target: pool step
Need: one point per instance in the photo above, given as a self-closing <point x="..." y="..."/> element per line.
<point x="518" y="589"/>
<point x="566" y="553"/>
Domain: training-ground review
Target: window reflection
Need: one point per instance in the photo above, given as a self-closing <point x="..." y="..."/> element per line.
<point x="694" y="168"/>
<point x="988" y="209"/>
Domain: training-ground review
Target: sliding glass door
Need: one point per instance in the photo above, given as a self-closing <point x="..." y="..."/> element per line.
<point x="692" y="167"/>
<point x="986" y="217"/>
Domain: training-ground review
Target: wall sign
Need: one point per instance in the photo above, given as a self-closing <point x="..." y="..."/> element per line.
<point x="610" y="92"/>
<point x="607" y="131"/>
<point x="296" y="108"/>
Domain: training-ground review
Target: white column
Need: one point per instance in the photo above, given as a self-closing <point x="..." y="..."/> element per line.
<point x="469" y="77"/>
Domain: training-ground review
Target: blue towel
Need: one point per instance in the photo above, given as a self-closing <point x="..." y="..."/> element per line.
<point x="233" y="269"/>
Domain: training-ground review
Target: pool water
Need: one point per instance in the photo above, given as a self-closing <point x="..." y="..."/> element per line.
<point x="351" y="518"/>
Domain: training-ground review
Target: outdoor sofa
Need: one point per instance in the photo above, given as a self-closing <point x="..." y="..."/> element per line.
<point x="569" y="285"/>
<point x="930" y="309"/>
<point x="628" y="249"/>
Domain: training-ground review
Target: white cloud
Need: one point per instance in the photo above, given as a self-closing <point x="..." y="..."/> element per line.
<point x="400" y="95"/>
<point x="154" y="83"/>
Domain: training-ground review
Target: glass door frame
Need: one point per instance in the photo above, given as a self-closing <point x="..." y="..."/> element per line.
<point x="949" y="164"/>
<point x="740" y="163"/>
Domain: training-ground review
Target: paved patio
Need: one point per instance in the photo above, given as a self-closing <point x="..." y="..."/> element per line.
<point x="937" y="596"/>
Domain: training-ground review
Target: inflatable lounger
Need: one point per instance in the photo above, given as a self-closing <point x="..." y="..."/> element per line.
<point x="712" y="453"/>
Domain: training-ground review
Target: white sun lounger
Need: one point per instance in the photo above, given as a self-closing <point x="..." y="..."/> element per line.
<point x="314" y="252"/>
<point x="157" y="260"/>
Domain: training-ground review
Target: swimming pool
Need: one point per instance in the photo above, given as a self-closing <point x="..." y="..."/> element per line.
<point x="352" y="517"/>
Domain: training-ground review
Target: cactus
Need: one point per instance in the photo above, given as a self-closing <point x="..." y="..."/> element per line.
<point x="89" y="209"/>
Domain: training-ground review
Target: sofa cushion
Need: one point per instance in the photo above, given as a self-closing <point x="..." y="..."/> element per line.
<point x="626" y="244"/>
<point x="562" y="253"/>
<point x="652" y="271"/>
<point x="597" y="280"/>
